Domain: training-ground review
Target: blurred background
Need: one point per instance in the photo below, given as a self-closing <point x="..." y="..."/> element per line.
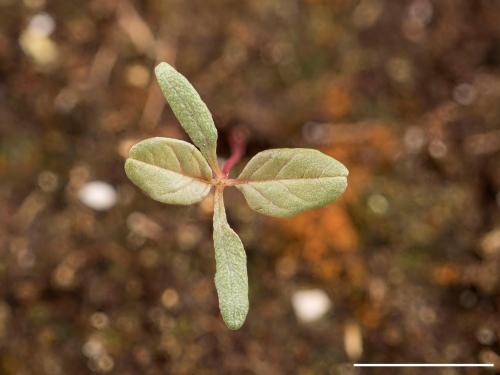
<point x="95" y="277"/>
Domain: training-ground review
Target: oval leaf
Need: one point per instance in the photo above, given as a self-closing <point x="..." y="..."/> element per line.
<point x="231" y="278"/>
<point x="169" y="170"/>
<point x="283" y="182"/>
<point x="190" y="110"/>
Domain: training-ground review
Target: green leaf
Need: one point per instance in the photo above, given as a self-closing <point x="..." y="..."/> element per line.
<point x="231" y="278"/>
<point x="283" y="182"/>
<point x="169" y="170"/>
<point x="190" y="110"/>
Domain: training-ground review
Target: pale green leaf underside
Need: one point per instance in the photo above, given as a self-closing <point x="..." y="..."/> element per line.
<point x="231" y="278"/>
<point x="190" y="110"/>
<point x="283" y="182"/>
<point x="169" y="170"/>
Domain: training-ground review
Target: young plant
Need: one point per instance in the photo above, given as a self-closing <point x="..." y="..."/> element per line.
<point x="277" y="182"/>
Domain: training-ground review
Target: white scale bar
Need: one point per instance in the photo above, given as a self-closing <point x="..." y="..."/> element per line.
<point x="423" y="364"/>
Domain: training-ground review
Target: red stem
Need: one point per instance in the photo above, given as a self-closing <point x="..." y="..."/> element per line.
<point x="237" y="143"/>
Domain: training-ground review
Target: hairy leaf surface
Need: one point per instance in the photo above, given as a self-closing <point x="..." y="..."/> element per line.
<point x="231" y="278"/>
<point x="190" y="110"/>
<point x="283" y="182"/>
<point x="169" y="170"/>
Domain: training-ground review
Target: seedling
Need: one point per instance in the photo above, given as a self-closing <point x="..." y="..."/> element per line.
<point x="278" y="182"/>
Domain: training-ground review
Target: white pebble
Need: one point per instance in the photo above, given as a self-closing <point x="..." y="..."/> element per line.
<point x="310" y="305"/>
<point x="98" y="195"/>
<point x="42" y="25"/>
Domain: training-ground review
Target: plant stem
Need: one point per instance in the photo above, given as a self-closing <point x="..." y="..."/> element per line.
<point x="237" y="143"/>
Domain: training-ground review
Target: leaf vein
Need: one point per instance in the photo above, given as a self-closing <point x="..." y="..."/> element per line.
<point x="181" y="170"/>
<point x="267" y="198"/>
<point x="199" y="178"/>
<point x="293" y="193"/>
<point x="260" y="167"/>
<point x="284" y="165"/>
